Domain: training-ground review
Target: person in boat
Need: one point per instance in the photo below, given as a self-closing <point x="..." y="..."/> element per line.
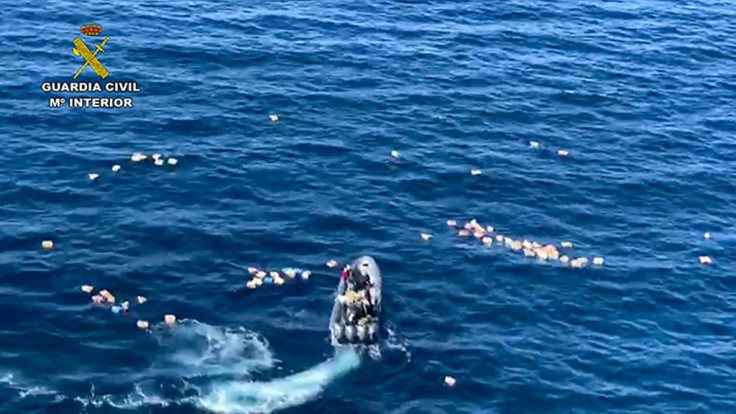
<point x="353" y="282"/>
<point x="357" y="295"/>
<point x="368" y="307"/>
<point x="359" y="312"/>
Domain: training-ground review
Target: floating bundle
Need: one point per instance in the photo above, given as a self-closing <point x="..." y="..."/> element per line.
<point x="276" y="277"/>
<point x="547" y="252"/>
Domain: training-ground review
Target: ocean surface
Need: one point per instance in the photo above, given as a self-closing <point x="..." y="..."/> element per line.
<point x="640" y="93"/>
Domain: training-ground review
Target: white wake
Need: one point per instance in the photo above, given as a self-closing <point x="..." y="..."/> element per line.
<point x="212" y="368"/>
<point x="266" y="397"/>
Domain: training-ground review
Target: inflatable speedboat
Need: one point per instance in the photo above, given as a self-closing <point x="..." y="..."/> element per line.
<point x="356" y="314"/>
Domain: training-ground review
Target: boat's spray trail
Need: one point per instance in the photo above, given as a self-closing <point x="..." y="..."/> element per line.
<point x="210" y="367"/>
<point x="195" y="349"/>
<point x="218" y="364"/>
<point x="265" y="397"/>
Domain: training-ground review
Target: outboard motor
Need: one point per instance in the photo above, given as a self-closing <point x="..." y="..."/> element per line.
<point x="362" y="332"/>
<point x="350" y="333"/>
<point x="372" y="331"/>
<point x="337" y="331"/>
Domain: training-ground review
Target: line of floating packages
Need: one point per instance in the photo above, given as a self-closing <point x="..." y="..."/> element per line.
<point x="487" y="235"/>
<point x="261" y="277"/>
<point x="106" y="299"/>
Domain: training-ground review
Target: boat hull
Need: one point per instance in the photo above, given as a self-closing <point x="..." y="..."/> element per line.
<point x="345" y="332"/>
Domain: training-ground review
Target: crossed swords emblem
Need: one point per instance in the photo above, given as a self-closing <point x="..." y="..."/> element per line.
<point x="90" y="58"/>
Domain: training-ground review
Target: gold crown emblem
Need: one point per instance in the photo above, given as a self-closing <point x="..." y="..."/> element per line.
<point x="91" y="29"/>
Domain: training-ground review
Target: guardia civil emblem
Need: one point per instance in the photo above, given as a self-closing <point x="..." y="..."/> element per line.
<point x="90" y="59"/>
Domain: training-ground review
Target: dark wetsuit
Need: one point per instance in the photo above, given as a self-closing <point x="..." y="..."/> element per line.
<point x="368" y="308"/>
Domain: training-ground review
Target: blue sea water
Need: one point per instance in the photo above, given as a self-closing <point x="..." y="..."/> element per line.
<point x="640" y="93"/>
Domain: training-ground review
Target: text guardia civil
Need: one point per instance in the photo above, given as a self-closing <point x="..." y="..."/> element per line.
<point x="91" y="87"/>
